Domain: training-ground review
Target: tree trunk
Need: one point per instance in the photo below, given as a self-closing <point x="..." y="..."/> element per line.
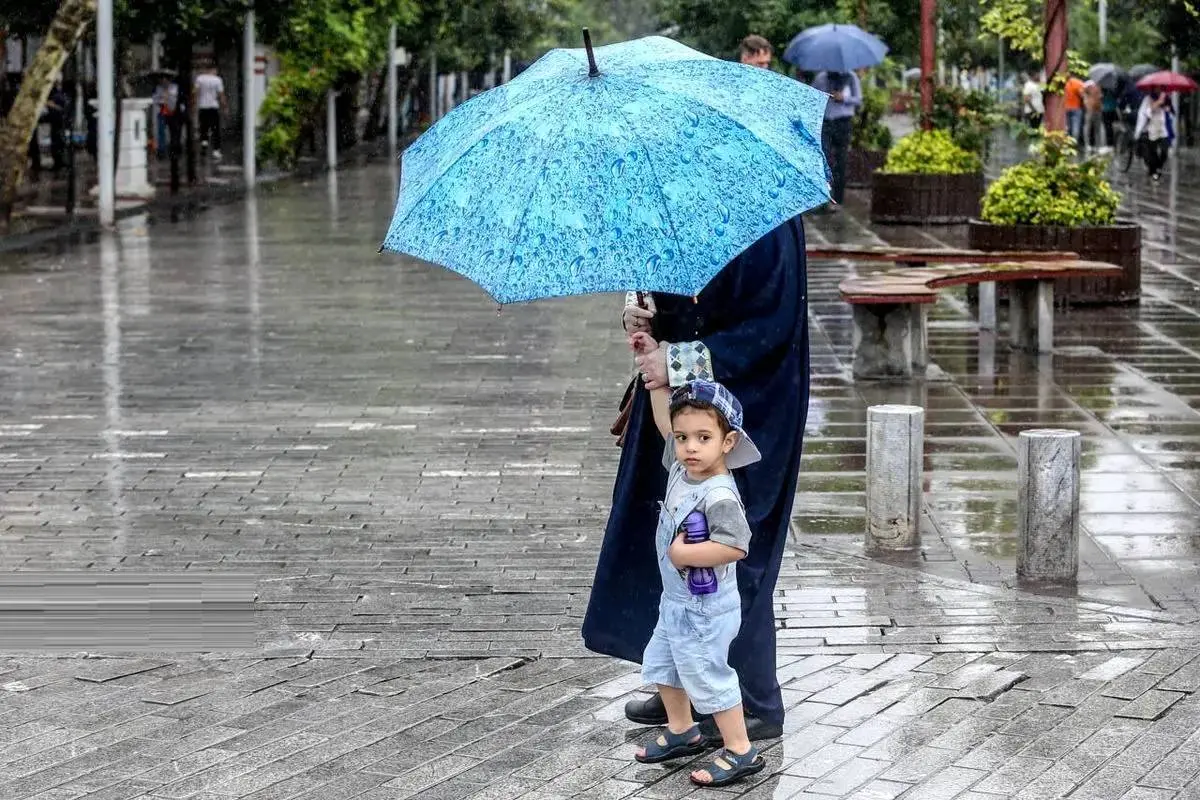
<point x="68" y="25"/>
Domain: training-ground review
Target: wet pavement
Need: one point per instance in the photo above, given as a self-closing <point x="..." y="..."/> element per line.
<point x="417" y="485"/>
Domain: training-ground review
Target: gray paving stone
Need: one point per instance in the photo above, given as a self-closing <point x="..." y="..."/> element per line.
<point x="1151" y="705"/>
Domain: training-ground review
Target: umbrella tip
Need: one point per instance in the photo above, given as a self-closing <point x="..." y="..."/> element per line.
<point x="593" y="70"/>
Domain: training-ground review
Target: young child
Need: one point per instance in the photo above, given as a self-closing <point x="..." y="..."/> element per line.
<point x="687" y="656"/>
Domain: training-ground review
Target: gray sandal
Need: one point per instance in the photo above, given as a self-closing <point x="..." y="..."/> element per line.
<point x="727" y="768"/>
<point x="667" y="746"/>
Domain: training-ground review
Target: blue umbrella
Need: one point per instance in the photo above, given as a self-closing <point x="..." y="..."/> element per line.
<point x="642" y="166"/>
<point x="834" y="48"/>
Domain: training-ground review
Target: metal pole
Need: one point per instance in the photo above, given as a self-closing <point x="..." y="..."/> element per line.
<point x="507" y="76"/>
<point x="331" y="129"/>
<point x="1055" y="46"/>
<point x="928" y="39"/>
<point x="392" y="110"/>
<point x="1103" y="24"/>
<point x="249" y="106"/>
<point x="105" y="112"/>
<point x="433" y="89"/>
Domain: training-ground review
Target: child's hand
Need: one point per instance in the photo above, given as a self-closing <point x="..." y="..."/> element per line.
<point x="676" y="552"/>
<point x="642" y="343"/>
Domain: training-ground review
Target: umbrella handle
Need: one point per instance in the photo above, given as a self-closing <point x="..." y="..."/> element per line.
<point x="641" y="300"/>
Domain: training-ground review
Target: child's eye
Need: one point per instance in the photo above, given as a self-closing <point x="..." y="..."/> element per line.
<point x="704" y="438"/>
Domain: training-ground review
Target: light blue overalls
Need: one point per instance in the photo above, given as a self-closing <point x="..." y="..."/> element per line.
<point x="690" y="645"/>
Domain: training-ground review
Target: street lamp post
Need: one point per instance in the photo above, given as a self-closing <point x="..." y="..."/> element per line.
<point x="105" y="116"/>
<point x="393" y="126"/>
<point x="250" y="107"/>
<point x="928" y="38"/>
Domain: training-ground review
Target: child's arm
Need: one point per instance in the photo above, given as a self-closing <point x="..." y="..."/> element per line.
<point x="660" y="399"/>
<point x="728" y="534"/>
<point x="702" y="554"/>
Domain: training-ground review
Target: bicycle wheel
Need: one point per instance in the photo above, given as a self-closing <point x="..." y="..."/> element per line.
<point x="1124" y="151"/>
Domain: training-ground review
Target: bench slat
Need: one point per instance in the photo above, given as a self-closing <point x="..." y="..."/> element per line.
<point x="933" y="255"/>
<point x="922" y="284"/>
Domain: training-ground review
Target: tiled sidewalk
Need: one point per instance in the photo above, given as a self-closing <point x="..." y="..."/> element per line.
<point x="419" y="485"/>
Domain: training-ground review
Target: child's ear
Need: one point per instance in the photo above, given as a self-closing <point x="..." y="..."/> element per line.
<point x="730" y="440"/>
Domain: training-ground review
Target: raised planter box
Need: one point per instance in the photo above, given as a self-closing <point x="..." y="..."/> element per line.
<point x="914" y="199"/>
<point x="861" y="166"/>
<point x="1119" y="244"/>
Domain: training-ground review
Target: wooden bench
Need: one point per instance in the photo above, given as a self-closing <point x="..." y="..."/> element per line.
<point x="921" y="256"/>
<point x="890" y="308"/>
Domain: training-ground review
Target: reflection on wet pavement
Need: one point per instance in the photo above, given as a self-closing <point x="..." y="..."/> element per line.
<point x="1127" y="378"/>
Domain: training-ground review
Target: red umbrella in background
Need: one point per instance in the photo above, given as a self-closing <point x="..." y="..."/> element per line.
<point x="1167" y="81"/>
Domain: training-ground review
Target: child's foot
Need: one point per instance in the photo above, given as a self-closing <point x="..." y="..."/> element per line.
<point x="728" y="767"/>
<point x="669" y="745"/>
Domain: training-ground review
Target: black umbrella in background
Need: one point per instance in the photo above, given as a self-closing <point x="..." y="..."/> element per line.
<point x="1108" y="76"/>
<point x="1139" y="71"/>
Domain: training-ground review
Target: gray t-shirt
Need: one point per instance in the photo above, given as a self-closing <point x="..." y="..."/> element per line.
<point x="722" y="506"/>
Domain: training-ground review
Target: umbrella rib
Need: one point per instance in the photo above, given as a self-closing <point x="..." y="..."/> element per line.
<point x="654" y="173"/>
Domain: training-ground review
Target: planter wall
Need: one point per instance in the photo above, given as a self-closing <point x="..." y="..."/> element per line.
<point x="1119" y="244"/>
<point x="925" y="199"/>
<point x="861" y="166"/>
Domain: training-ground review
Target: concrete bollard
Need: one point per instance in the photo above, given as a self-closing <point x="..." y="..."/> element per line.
<point x="895" y="447"/>
<point x="1048" y="505"/>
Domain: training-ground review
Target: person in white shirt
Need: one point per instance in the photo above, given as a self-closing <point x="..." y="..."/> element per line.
<point x="1031" y="102"/>
<point x="209" y="99"/>
<point x="1151" y="131"/>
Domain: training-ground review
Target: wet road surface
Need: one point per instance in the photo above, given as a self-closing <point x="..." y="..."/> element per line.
<point x="416" y="486"/>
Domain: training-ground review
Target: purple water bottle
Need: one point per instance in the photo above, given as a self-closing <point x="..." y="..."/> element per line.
<point x="701" y="580"/>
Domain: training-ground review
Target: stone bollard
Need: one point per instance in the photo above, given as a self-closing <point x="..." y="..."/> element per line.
<point x="895" y="447"/>
<point x="1048" y="505"/>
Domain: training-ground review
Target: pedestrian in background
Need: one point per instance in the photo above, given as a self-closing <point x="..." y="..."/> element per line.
<point x="1152" y="132"/>
<point x="1073" y="102"/>
<point x="1091" y="113"/>
<point x="756" y="52"/>
<point x="845" y="97"/>
<point x="1032" y="106"/>
<point x="1108" y="116"/>
<point x="209" y="100"/>
<point x="166" y="100"/>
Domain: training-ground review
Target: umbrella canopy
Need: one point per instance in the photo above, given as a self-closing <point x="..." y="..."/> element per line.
<point x="834" y="48"/>
<point x="1107" y="76"/>
<point x="1167" y="81"/>
<point x="648" y="169"/>
<point x="1139" y="71"/>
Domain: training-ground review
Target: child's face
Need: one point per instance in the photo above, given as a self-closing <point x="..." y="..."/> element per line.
<point x="699" y="444"/>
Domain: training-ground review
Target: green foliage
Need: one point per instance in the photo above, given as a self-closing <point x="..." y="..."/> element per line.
<point x="717" y="26"/>
<point x="319" y="43"/>
<point x="870" y="132"/>
<point x="931" y="153"/>
<point x="968" y="116"/>
<point x="1052" y="188"/>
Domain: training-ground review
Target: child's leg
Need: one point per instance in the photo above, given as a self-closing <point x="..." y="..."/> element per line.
<point x="732" y="724"/>
<point x="679" y="709"/>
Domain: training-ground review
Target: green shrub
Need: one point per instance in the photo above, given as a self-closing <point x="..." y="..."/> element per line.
<point x="1052" y="188"/>
<point x="930" y="153"/>
<point x="870" y="132"/>
<point x="970" y="116"/>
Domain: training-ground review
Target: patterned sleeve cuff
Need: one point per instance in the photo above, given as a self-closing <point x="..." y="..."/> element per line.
<point x="688" y="361"/>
